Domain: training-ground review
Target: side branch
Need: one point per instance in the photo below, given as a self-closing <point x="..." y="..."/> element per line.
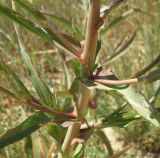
<point x="35" y="104"/>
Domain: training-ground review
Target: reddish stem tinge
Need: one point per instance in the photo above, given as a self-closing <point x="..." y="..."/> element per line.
<point x="39" y="107"/>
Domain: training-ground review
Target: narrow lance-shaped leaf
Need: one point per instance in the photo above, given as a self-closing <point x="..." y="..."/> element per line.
<point x="67" y="24"/>
<point x="17" y="86"/>
<point x="28" y="146"/>
<point x="6" y="91"/>
<point x="44" y="93"/>
<point x="72" y="40"/>
<point x="61" y="20"/>
<point x="44" y="33"/>
<point x="32" y="10"/>
<point x="8" y="37"/>
<point x="31" y="1"/>
<point x="133" y="97"/>
<point x="119" y="120"/>
<point x="31" y="124"/>
<point x="122" y="17"/>
<point x="120" y="50"/>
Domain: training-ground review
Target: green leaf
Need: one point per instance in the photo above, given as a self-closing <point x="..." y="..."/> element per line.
<point x="32" y="10"/>
<point x="66" y="24"/>
<point x="133" y="97"/>
<point x="28" y="146"/>
<point x="72" y="40"/>
<point x="6" y="91"/>
<point x="44" y="33"/>
<point x="119" y="119"/>
<point x="17" y="86"/>
<point x="79" y="151"/>
<point x="56" y="132"/>
<point x="64" y="94"/>
<point x="8" y="37"/>
<point x="76" y="66"/>
<point x="99" y="43"/>
<point x="74" y="88"/>
<point x="44" y="93"/>
<point x="120" y="51"/>
<point x="30" y="125"/>
<point x="31" y="1"/>
<point x="120" y="18"/>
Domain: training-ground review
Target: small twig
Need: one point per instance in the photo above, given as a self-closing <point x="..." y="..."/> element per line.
<point x="38" y="106"/>
<point x="153" y="76"/>
<point x="117" y="82"/>
<point x="34" y="103"/>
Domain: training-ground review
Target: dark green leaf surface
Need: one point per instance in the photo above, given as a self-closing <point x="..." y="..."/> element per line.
<point x="31" y="124"/>
<point x="119" y="120"/>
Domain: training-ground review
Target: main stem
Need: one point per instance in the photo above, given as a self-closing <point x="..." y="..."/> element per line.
<point x="89" y="58"/>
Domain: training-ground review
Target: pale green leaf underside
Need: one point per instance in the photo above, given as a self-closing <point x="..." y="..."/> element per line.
<point x="44" y="93"/>
<point x="133" y="97"/>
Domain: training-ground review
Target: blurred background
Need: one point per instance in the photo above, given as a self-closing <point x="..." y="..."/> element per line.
<point x="134" y="26"/>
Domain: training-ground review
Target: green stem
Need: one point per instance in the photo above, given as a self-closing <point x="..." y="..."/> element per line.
<point x="89" y="53"/>
<point x="91" y="35"/>
<point x="73" y="132"/>
<point x="89" y="58"/>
